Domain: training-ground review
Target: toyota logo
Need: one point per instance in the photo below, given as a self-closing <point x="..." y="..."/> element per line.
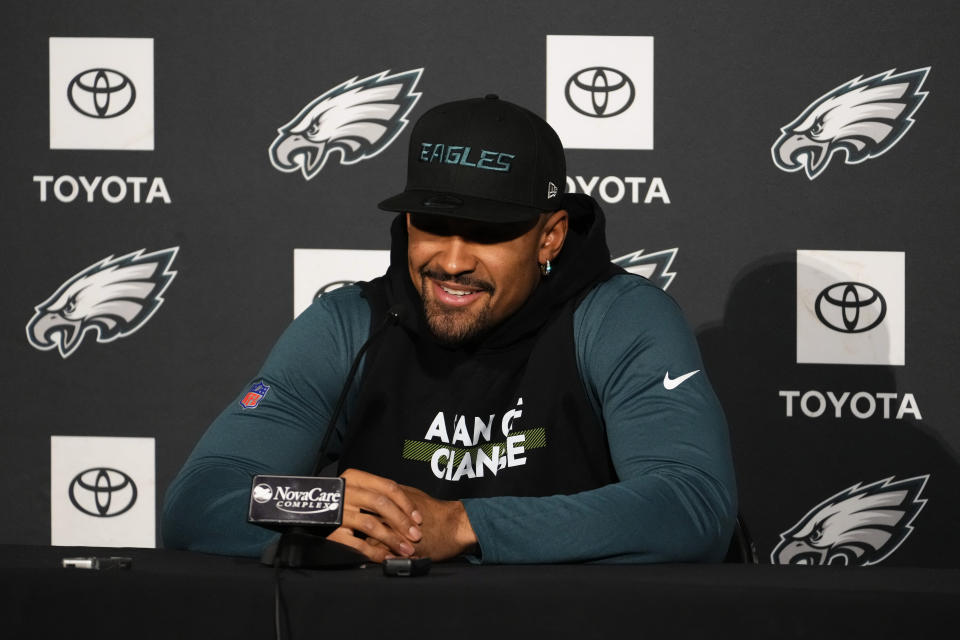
<point x="850" y="307"/>
<point x="101" y="93"/>
<point x="599" y="92"/>
<point x="103" y="492"/>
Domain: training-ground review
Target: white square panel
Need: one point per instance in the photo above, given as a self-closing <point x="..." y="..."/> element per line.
<point x="101" y="93"/>
<point x="600" y="91"/>
<point x="316" y="271"/>
<point x="851" y="307"/>
<point x="102" y="492"/>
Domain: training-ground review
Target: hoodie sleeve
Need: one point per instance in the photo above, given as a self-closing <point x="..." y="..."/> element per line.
<point x="676" y="496"/>
<point x="205" y="507"/>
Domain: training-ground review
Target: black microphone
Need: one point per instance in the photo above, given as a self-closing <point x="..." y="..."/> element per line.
<point x="307" y="509"/>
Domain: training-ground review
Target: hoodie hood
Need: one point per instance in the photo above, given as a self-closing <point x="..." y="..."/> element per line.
<point x="583" y="262"/>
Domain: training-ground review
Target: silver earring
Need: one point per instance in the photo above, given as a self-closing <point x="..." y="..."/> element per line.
<point x="545" y="269"/>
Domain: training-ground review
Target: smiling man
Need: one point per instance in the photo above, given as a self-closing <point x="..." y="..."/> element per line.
<point x="472" y="277"/>
<point x="534" y="402"/>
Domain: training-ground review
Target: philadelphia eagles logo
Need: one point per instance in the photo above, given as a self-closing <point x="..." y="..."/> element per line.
<point x="655" y="267"/>
<point x="110" y="299"/>
<point x="860" y="119"/>
<point x="358" y="119"/>
<point x="861" y="525"/>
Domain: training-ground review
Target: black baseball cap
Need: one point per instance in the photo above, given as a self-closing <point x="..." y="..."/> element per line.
<point x="482" y="159"/>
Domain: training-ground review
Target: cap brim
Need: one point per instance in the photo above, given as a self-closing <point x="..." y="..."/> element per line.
<point x="459" y="206"/>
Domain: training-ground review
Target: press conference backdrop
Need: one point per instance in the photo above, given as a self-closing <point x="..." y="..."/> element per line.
<point x="180" y="179"/>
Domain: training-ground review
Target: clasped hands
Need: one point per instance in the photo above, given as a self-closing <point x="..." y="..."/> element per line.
<point x="400" y="521"/>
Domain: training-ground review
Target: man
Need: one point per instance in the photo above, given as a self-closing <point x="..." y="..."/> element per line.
<point x="533" y="402"/>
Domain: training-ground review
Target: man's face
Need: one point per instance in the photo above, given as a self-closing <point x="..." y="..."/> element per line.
<point x="473" y="275"/>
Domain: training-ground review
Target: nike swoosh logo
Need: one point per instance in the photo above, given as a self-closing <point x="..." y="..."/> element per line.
<point x="672" y="383"/>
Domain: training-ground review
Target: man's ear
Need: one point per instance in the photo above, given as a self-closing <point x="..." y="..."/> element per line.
<point x="552" y="236"/>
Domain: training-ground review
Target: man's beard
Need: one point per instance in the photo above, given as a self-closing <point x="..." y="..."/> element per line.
<point x="452" y="326"/>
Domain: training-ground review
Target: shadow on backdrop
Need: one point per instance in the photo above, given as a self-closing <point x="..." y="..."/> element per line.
<point x="792" y="471"/>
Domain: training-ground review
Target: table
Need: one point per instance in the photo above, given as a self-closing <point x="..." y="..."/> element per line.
<point x="173" y="594"/>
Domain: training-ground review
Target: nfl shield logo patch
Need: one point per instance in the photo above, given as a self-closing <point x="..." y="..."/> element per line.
<point x="256" y="393"/>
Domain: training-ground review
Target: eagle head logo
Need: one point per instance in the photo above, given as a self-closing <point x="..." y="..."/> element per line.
<point x="111" y="299"/>
<point x="358" y="119"/>
<point x="655" y="267"/>
<point x="862" y="119"/>
<point x="861" y="525"/>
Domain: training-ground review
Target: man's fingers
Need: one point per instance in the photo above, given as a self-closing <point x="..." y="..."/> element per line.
<point x="385" y="487"/>
<point x="360" y="497"/>
<point x="373" y="528"/>
<point x="374" y="552"/>
<point x="379" y="509"/>
<point x="381" y="485"/>
<point x="414" y="495"/>
<point x="387" y="509"/>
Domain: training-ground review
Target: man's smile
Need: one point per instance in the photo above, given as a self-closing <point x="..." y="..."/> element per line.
<point x="455" y="295"/>
<point x="471" y="275"/>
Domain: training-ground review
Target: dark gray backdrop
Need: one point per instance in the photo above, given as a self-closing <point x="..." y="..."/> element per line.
<point x="227" y="74"/>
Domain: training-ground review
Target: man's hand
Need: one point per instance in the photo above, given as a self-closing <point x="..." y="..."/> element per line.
<point x="446" y="528"/>
<point x="379" y="509"/>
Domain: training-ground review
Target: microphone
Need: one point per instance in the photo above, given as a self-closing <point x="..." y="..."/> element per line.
<point x="393" y="316"/>
<point x="307" y="509"/>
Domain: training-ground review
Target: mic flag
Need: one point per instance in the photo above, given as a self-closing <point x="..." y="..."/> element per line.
<point x="282" y="502"/>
